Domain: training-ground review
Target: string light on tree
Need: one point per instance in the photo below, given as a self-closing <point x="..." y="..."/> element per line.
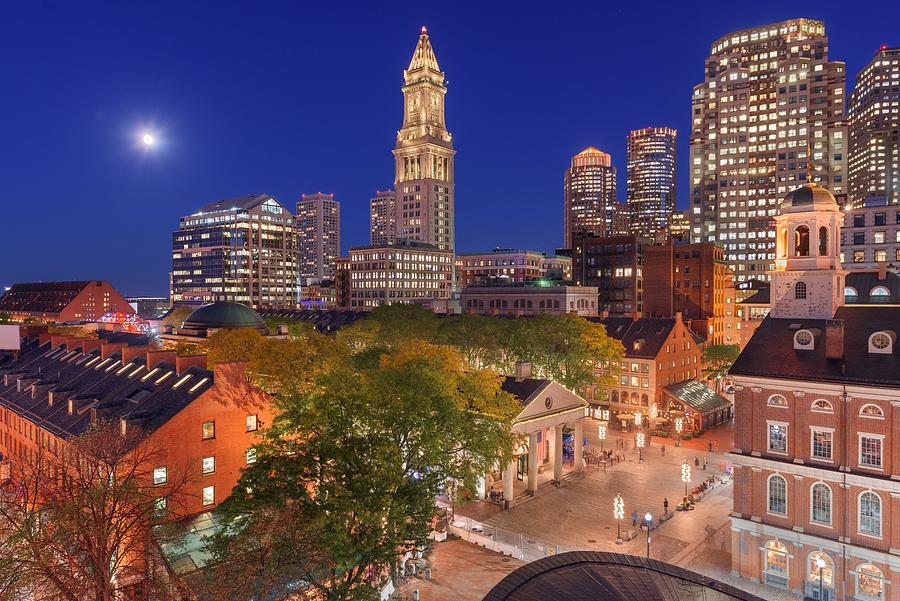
<point x="601" y="433"/>
<point x="639" y="441"/>
<point x="618" y="514"/>
<point x="685" y="475"/>
<point x="638" y="418"/>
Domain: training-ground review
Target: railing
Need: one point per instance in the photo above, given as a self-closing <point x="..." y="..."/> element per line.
<point x="515" y="544"/>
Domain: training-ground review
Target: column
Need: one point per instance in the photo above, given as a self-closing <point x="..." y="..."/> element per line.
<point x="579" y="442"/>
<point x="557" y="451"/>
<point x="509" y="475"/>
<point x="532" y="461"/>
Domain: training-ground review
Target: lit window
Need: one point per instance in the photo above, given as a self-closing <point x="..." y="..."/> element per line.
<point x="776" y="569"/>
<point x="209" y="495"/>
<point x="777" y="400"/>
<point x="827" y="573"/>
<point x="160" y="475"/>
<point x="822" y="406"/>
<point x="873" y="411"/>
<point x="209" y="430"/>
<point x="209" y="465"/>
<point x="869" y="582"/>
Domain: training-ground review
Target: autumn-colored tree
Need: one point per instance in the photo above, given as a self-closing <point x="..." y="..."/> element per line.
<point x="346" y="477"/>
<point x="718" y="359"/>
<point x="177" y="316"/>
<point x="390" y="326"/>
<point x="75" y="331"/>
<point x="76" y="522"/>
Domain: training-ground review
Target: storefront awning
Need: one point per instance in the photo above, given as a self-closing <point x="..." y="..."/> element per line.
<point x="698" y="396"/>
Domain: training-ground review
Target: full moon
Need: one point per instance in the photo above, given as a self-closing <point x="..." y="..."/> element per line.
<point x="147" y="139"/>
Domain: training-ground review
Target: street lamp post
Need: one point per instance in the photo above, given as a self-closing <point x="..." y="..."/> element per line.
<point x="820" y="563"/>
<point x="648" y="518"/>
<point x="685" y="475"/>
<point x="601" y="433"/>
<point x="640" y="445"/>
<point x="618" y="514"/>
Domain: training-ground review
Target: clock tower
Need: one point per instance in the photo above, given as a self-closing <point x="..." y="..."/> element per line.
<point x="423" y="155"/>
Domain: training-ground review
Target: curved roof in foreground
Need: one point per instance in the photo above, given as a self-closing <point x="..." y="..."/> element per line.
<point x="592" y="576"/>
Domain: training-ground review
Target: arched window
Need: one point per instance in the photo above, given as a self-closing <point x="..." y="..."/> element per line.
<point x="777" y="494"/>
<point x="869" y="582"/>
<point x="803" y="339"/>
<point x="783" y="249"/>
<point x="820" y="501"/>
<point x="850" y="294"/>
<point x="801" y="241"/>
<point x="827" y="570"/>
<point x="870" y="513"/>
<point x="882" y="342"/>
<point x="823" y="241"/>
<point x="614" y="396"/>
<point x="879" y="291"/>
<point x="776" y="568"/>
<point x="800" y="290"/>
<point x="871" y="411"/>
<point x="634" y="398"/>
<point x="777" y="400"/>
<point x="822" y="406"/>
<point x="644" y="400"/>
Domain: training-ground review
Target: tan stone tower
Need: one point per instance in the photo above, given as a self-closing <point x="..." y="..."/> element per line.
<point x="424" y="154"/>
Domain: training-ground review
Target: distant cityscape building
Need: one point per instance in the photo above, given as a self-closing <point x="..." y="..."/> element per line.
<point x="515" y="265"/>
<point x="874" y="129"/>
<point x="589" y="190"/>
<point x="614" y="265"/>
<point x="691" y="279"/>
<point x="318" y="223"/>
<point x="770" y="97"/>
<point x="383" y="217"/>
<point x="62" y="302"/>
<point x="240" y="249"/>
<point x="871" y="236"/>
<point x="407" y="272"/>
<point x="149" y="307"/>
<point x="424" y="155"/>
<point x="680" y="226"/>
<point x="651" y="180"/>
<point x="529" y="298"/>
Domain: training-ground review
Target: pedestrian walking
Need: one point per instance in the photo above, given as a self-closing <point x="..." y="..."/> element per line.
<point x="633" y="519"/>
<point x="696" y="462"/>
<point x="724" y="540"/>
<point x="710" y="446"/>
<point x="666" y="506"/>
<point x="716" y="445"/>
<point x="704" y="464"/>
<point x="664" y="449"/>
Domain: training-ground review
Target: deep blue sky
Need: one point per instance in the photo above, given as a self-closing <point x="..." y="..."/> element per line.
<point x="291" y="97"/>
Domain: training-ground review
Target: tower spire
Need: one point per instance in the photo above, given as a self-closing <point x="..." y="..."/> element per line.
<point x="423" y="56"/>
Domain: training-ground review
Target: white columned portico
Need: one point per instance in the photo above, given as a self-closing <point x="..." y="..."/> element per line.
<point x="532" y="461"/>
<point x="557" y="451"/>
<point x="579" y="440"/>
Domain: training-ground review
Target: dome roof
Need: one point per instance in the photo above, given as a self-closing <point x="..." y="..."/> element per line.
<point x="808" y="197"/>
<point x="224" y="315"/>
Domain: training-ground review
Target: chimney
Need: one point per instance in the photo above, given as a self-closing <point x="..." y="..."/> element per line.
<point x="76" y="343"/>
<point x="90" y="345"/>
<point x="108" y="348"/>
<point x="523" y="370"/>
<point x="154" y="357"/>
<point x="834" y="339"/>
<point x="130" y="352"/>
<point x="678" y="316"/>
<point x="882" y="271"/>
<point x="186" y="361"/>
<point x="57" y="339"/>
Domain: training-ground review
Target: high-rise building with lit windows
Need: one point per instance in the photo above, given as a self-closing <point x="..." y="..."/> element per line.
<point x="240" y="249"/>
<point x="770" y="108"/>
<point x="651" y="180"/>
<point x="318" y="236"/>
<point x="589" y="196"/>
<point x="874" y="126"/>
<point x="383" y="217"/>
<point x="424" y="154"/>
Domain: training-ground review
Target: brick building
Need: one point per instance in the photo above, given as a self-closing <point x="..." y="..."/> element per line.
<point x="205" y="420"/>
<point x="816" y="411"/>
<point x="524" y="299"/>
<point x="691" y="279"/>
<point x="658" y="352"/>
<point x="615" y="266"/>
<point x="871" y="236"/>
<point x="63" y="302"/>
<point x="512" y="264"/>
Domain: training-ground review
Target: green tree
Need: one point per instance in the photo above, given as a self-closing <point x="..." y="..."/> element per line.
<point x="477" y="338"/>
<point x="346" y="477"/>
<point x="718" y="359"/>
<point x="391" y="326"/>
<point x="5" y="317"/>
<point x="177" y="316"/>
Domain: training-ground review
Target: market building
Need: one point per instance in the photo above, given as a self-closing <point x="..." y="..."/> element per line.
<point x="529" y="298"/>
<point x="816" y="415"/>
<point x="62" y="302"/>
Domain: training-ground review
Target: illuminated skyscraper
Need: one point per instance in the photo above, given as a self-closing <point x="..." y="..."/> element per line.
<point x="875" y="131"/>
<point x="770" y="96"/>
<point x="424" y="154"/>
<point x="383" y="217"/>
<point x="318" y="235"/>
<point x="589" y="190"/>
<point x="651" y="180"/>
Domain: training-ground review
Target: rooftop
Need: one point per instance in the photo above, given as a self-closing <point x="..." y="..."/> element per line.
<point x="41" y="297"/>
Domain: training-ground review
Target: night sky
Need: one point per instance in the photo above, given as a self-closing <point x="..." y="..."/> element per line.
<point x="291" y="97"/>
